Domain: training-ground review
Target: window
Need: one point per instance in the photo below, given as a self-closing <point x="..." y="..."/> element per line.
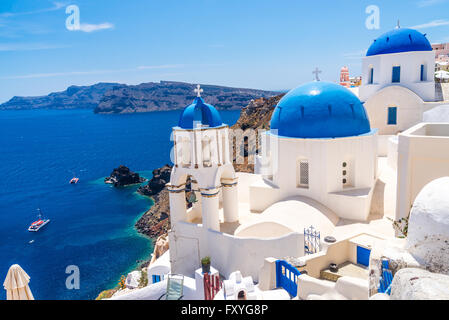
<point x="156" y="278"/>
<point x="396" y="74"/>
<point x="392" y="115"/>
<point x="348" y="173"/>
<point x="423" y="73"/>
<point x="303" y="174"/>
<point x="371" y="76"/>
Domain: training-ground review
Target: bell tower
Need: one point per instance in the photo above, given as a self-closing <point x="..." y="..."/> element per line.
<point x="202" y="153"/>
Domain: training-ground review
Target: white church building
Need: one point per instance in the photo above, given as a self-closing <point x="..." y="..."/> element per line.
<point x="398" y="83"/>
<point x="319" y="169"/>
<point x="323" y="163"/>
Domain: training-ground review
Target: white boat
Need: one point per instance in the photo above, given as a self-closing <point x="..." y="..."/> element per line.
<point x="39" y="223"/>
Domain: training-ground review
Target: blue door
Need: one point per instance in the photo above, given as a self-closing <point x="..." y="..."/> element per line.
<point x="363" y="256"/>
<point x="287" y="277"/>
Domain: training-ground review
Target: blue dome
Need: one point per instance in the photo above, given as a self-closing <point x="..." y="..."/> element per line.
<point x="399" y="40"/>
<point x="209" y="116"/>
<point x="320" y="110"/>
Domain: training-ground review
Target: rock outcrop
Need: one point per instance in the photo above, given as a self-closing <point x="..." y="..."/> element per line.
<point x="419" y="284"/>
<point x="428" y="231"/>
<point x="171" y="95"/>
<point x="122" y="176"/>
<point x="160" y="178"/>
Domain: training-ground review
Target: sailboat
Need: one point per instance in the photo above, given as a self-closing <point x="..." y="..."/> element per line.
<point x="39" y="223"/>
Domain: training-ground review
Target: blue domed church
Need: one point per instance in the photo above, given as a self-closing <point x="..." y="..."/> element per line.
<point x="397" y="82"/>
<point x="320" y="146"/>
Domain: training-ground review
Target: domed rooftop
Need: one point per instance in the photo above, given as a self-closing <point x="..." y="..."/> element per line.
<point x="399" y="40"/>
<point x="320" y="110"/>
<point x="199" y="113"/>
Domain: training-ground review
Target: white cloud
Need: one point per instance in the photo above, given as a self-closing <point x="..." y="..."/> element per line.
<point x="87" y="27"/>
<point x="432" y="24"/>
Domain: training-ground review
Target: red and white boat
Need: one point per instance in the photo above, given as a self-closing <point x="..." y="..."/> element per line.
<point x="39" y="223"/>
<point x="74" y="180"/>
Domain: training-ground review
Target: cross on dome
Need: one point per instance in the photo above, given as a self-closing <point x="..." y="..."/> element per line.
<point x="198" y="91"/>
<point x="316" y="73"/>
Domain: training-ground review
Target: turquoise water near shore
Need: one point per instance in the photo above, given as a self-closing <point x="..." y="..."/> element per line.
<point x="92" y="224"/>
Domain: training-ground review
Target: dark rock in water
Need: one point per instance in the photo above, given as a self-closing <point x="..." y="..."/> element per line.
<point x="122" y="176"/>
<point x="160" y="178"/>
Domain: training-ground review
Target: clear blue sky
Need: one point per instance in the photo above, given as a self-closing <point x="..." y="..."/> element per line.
<point x="263" y="44"/>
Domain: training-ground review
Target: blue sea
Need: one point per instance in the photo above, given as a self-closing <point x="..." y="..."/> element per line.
<point x="92" y="224"/>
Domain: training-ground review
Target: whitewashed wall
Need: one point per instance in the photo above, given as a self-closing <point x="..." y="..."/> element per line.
<point x="423" y="155"/>
<point x="410" y="63"/>
<point x="409" y="109"/>
<point x="325" y="158"/>
<point x="189" y="243"/>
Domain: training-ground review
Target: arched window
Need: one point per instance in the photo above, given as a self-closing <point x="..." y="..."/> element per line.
<point x="371" y="75"/>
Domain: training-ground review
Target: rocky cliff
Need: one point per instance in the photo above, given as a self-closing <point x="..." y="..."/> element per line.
<point x="75" y="97"/>
<point x="169" y="95"/>
<point x="256" y="115"/>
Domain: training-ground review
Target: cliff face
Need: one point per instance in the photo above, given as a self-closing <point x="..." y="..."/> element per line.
<point x="255" y="116"/>
<point x="169" y="95"/>
<point x="156" y="222"/>
<point x="160" y="178"/>
<point x="75" y="97"/>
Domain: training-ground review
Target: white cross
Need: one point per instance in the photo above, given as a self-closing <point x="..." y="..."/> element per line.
<point x="316" y="73"/>
<point x="198" y="91"/>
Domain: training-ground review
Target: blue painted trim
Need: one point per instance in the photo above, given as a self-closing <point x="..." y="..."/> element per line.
<point x="287" y="277"/>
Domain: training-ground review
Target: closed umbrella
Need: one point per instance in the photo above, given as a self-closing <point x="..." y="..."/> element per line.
<point x="16" y="284"/>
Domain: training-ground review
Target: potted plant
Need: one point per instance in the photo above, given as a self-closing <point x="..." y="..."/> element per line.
<point x="205" y="264"/>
